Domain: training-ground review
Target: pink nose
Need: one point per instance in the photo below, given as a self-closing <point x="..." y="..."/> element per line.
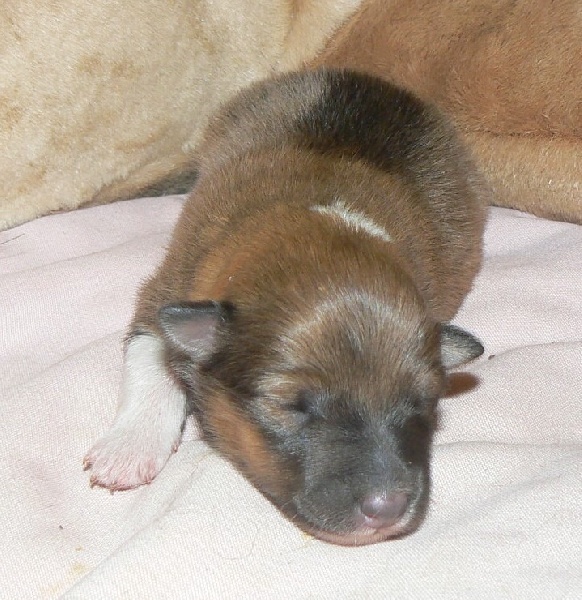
<point x="384" y="510"/>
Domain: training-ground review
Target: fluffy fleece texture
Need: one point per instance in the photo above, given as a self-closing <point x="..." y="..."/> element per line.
<point x="505" y="519"/>
<point x="99" y="100"/>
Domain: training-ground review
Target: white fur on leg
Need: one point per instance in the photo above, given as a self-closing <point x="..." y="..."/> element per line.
<point x="148" y="424"/>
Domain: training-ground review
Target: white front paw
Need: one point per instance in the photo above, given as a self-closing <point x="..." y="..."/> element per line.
<point x="122" y="459"/>
<point x="148" y="425"/>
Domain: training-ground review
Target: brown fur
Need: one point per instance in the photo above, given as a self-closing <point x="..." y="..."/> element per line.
<point x="507" y="72"/>
<point x="242" y="442"/>
<point x="317" y="314"/>
<point x="288" y="237"/>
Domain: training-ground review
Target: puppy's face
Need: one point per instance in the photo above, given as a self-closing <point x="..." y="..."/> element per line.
<point x="329" y="412"/>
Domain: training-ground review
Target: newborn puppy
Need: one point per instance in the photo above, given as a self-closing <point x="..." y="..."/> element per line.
<point x="302" y="308"/>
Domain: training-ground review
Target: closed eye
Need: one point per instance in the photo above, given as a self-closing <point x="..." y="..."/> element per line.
<point x="301" y="405"/>
<point x="305" y="403"/>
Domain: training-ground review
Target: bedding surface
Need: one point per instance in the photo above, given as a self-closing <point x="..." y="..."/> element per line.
<point x="506" y="513"/>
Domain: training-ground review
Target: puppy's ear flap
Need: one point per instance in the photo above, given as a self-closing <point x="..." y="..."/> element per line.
<point x="458" y="346"/>
<point x="192" y="326"/>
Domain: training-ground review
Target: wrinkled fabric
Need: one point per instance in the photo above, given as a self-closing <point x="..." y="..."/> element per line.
<point x="505" y="519"/>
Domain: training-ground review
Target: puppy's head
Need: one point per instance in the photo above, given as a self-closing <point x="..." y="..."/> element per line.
<point x="326" y="404"/>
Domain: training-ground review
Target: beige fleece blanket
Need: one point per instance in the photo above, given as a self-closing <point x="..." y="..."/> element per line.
<point x="506" y="512"/>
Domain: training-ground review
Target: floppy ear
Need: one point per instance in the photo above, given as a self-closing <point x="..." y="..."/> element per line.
<point x="458" y="346"/>
<point x="192" y="326"/>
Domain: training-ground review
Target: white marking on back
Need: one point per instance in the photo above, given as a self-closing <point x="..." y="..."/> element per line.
<point x="353" y="219"/>
<point x="148" y="424"/>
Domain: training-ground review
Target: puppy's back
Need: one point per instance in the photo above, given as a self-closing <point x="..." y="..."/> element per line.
<point x="405" y="143"/>
<point x="336" y="111"/>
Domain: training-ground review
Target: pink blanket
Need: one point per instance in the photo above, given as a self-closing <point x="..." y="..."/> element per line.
<point x="506" y="511"/>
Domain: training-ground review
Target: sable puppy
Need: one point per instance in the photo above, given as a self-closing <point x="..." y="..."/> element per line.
<point x="302" y="308"/>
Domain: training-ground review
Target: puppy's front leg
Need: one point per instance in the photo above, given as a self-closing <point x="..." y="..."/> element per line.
<point x="149" y="421"/>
